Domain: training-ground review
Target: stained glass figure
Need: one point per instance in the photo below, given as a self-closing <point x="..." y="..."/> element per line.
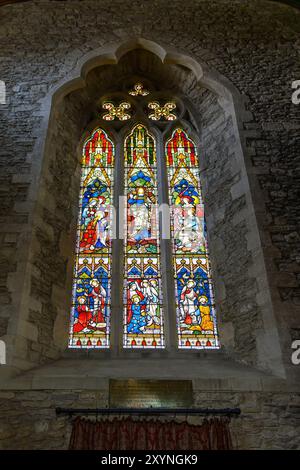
<point x="120" y="112"/>
<point x="90" y="316"/>
<point x="196" y="318"/>
<point x="162" y="111"/>
<point x="143" y="316"/>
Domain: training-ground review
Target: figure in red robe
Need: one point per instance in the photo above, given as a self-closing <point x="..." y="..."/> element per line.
<point x="83" y="316"/>
<point x="98" y="295"/>
<point x="94" y="225"/>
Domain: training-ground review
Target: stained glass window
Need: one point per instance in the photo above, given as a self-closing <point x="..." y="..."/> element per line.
<point x="143" y="313"/>
<point x="90" y="317"/>
<point x="143" y="319"/>
<point x="196" y="319"/>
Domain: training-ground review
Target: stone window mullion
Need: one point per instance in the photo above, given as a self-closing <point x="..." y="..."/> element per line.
<point x="168" y="286"/>
<point x="118" y="253"/>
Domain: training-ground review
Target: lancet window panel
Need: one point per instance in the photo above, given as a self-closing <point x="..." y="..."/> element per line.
<point x="143" y="313"/>
<point x="90" y="313"/>
<point x="195" y="306"/>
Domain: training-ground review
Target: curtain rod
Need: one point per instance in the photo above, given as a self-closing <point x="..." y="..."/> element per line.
<point x="149" y="411"/>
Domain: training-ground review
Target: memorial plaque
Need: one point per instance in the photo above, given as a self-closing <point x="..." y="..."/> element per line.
<point x="150" y="393"/>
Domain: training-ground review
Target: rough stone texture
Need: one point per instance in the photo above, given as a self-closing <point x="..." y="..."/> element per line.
<point x="255" y="46"/>
<point x="268" y="421"/>
<point x="231" y="256"/>
<point x="29" y="420"/>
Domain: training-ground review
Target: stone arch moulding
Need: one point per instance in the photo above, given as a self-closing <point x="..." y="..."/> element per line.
<point x="267" y="355"/>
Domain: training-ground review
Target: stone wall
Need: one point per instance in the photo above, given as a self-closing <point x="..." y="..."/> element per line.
<point x="226" y="209"/>
<point x="254" y="46"/>
<point x="267" y="420"/>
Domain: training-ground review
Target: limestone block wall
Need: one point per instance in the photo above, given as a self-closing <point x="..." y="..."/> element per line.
<point x="268" y="420"/>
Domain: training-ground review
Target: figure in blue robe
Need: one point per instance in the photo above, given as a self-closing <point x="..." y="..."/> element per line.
<point x="138" y="321"/>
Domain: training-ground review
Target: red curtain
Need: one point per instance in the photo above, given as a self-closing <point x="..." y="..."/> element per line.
<point x="130" y="434"/>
